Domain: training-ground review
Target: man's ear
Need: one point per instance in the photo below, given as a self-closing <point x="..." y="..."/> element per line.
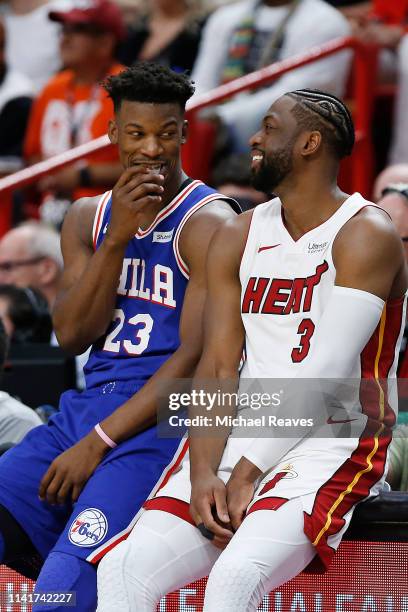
<point x="49" y="271"/>
<point x="184" y="132"/>
<point x="312" y="143"/>
<point x="113" y="131"/>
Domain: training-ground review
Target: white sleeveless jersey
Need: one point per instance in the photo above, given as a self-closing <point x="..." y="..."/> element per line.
<point x="286" y="285"/>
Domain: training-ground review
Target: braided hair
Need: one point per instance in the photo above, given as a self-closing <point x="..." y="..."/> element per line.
<point x="319" y="110"/>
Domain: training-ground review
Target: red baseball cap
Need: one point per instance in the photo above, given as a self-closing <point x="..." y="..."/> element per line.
<point x="102" y="13"/>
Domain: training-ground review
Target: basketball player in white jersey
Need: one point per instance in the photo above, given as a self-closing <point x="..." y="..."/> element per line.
<point x="313" y="282"/>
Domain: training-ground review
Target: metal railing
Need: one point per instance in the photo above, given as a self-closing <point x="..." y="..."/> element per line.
<point x="361" y="95"/>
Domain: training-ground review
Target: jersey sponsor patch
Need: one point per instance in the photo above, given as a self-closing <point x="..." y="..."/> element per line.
<point x="88" y="528"/>
<point x="163" y="236"/>
<point x="314" y="247"/>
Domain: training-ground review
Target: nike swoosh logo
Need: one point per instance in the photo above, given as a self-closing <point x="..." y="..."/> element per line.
<point x="331" y="421"/>
<point x="265" y="248"/>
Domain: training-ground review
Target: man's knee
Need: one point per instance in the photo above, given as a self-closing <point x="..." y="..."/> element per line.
<point x="233" y="584"/>
<point x="124" y="580"/>
<point x="232" y="569"/>
<point x="67" y="574"/>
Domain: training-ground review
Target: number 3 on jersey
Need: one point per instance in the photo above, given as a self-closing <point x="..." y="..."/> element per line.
<point x="142" y="334"/>
<point x="306" y="330"/>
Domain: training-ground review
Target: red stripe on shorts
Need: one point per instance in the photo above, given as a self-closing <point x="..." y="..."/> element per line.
<point x="360" y="472"/>
<point x="268" y="503"/>
<point x="171" y="505"/>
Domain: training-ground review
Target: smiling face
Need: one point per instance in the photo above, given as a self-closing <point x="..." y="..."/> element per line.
<point x="273" y="146"/>
<point x="150" y="136"/>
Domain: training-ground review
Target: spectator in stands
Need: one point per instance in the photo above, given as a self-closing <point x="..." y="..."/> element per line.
<point x="16" y="419"/>
<point x="30" y="256"/>
<point x="168" y="32"/>
<point x="32" y="46"/>
<point x="25" y="315"/>
<point x="73" y="108"/>
<point x="397" y="173"/>
<point x="383" y="23"/>
<point x="16" y="92"/>
<point x="394" y="199"/>
<point x="232" y="177"/>
<point x="391" y="193"/>
<point x="250" y="34"/>
<point x="392" y="196"/>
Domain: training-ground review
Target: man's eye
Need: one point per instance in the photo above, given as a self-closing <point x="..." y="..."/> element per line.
<point x="269" y="127"/>
<point x="168" y="134"/>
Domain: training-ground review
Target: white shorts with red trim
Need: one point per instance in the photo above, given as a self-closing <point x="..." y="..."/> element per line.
<point x="331" y="476"/>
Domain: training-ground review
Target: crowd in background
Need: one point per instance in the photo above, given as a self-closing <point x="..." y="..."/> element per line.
<point x="54" y="55"/>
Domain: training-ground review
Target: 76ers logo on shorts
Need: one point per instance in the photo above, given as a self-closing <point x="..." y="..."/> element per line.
<point x="89" y="528"/>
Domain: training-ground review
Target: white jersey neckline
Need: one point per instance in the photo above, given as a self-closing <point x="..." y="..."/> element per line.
<point x="343" y="209"/>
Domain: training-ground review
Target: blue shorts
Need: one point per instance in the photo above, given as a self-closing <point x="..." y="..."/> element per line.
<point x="109" y="502"/>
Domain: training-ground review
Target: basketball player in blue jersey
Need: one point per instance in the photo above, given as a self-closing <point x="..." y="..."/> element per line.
<point x="133" y="288"/>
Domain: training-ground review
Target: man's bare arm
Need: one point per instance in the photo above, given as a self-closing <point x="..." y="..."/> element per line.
<point x="224" y="332"/>
<point x="368" y="255"/>
<point x="223" y="344"/>
<point x="87" y="294"/>
<point x="87" y="290"/>
<point x="69" y="472"/>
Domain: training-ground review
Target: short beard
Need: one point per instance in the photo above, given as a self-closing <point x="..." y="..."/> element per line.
<point x="274" y="169"/>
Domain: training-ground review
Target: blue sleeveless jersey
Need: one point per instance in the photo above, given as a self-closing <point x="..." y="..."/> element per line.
<point x="144" y="330"/>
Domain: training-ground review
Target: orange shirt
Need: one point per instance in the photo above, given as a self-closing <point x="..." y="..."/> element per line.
<point x="65" y="115"/>
<point x="391" y="11"/>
